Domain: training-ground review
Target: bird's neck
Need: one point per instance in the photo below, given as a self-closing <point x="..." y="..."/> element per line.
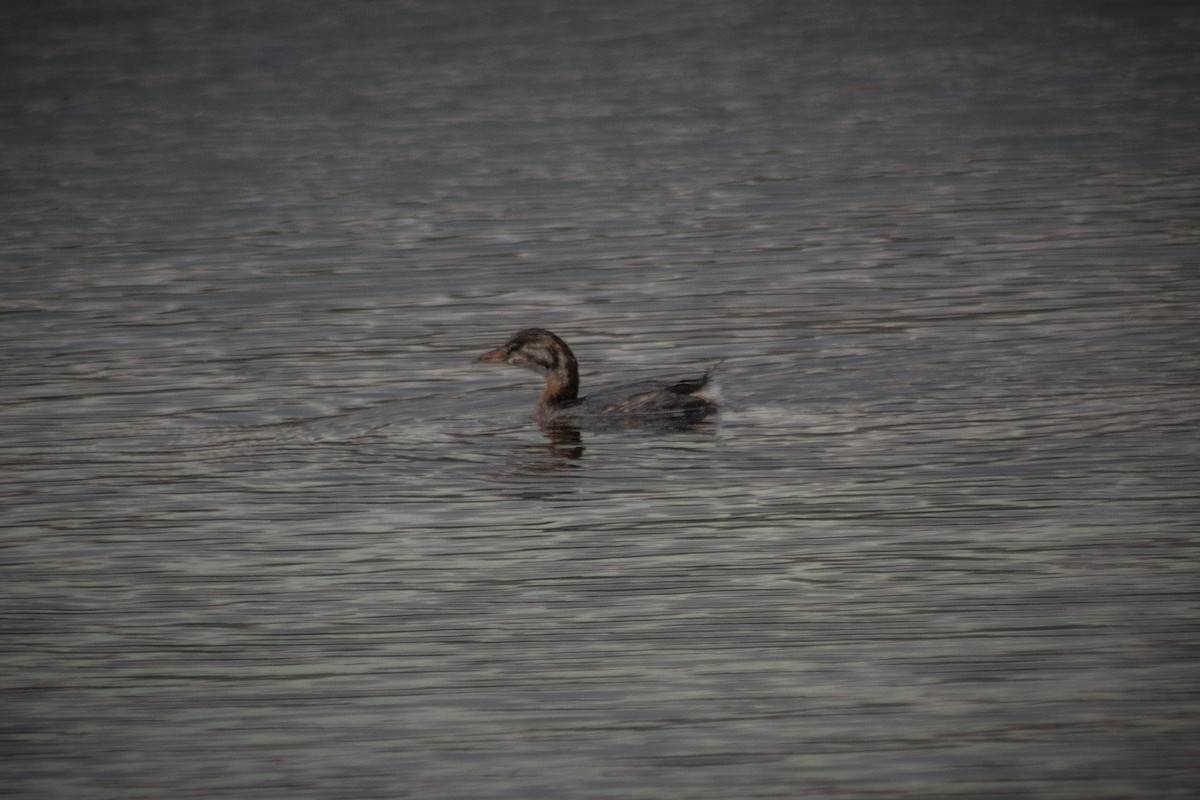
<point x="562" y="385"/>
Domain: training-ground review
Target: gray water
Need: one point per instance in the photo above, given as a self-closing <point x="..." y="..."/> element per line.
<point x="269" y="532"/>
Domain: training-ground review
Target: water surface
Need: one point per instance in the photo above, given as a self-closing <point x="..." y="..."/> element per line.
<point x="269" y="532"/>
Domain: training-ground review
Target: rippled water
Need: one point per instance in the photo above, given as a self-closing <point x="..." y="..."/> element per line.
<point x="268" y="531"/>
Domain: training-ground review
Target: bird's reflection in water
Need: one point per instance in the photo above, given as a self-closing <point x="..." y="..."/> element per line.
<point x="566" y="440"/>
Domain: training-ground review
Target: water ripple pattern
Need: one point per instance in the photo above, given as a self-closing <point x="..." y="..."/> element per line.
<point x="268" y="531"/>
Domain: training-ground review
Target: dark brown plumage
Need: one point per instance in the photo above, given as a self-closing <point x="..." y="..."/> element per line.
<point x="542" y="351"/>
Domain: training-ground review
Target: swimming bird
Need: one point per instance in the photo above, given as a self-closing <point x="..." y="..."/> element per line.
<point x="684" y="401"/>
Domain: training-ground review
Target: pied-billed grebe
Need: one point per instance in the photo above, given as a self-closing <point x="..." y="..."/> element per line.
<point x="540" y="350"/>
